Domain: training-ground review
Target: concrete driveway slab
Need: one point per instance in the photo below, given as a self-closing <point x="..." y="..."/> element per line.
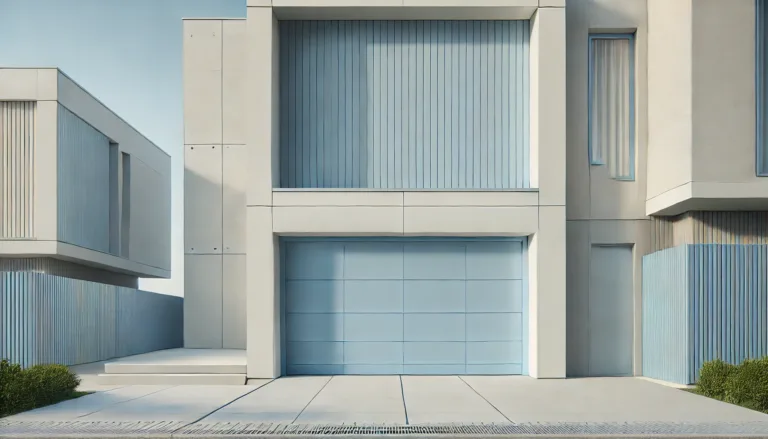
<point x="281" y="400"/>
<point x="445" y="399"/>
<point x="357" y="399"/>
<point x="180" y="403"/>
<point x="85" y="405"/>
<point x="524" y="399"/>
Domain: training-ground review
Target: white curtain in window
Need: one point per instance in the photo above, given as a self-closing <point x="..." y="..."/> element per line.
<point x="610" y="115"/>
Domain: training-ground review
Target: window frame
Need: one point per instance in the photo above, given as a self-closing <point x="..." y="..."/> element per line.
<point x="590" y="89"/>
<point x="761" y="147"/>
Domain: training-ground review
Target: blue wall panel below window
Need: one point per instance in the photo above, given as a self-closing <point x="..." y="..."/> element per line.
<point x="405" y="306"/>
<point x="404" y="104"/>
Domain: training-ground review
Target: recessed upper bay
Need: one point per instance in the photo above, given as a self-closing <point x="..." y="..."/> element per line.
<point x="404" y="104"/>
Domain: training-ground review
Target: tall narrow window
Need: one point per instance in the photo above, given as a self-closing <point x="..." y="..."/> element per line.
<point x="114" y="198"/>
<point x="125" y="206"/>
<point x="611" y="104"/>
<point x="761" y="88"/>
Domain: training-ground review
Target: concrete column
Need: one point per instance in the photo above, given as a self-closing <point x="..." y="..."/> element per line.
<point x="262" y="296"/>
<point x="546" y="255"/>
<point x="46" y="171"/>
<point x="547" y="82"/>
<point x="261" y="105"/>
<point x="262" y="143"/>
<point x="546" y="295"/>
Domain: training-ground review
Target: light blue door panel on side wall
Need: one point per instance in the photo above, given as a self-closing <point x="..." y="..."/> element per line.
<point x="404" y="104"/>
<point x="611" y="311"/>
<point x="404" y="306"/>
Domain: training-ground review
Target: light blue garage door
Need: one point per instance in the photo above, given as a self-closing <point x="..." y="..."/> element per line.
<point x="404" y="306"/>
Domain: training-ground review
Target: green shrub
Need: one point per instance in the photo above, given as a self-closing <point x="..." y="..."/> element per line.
<point x="747" y="386"/>
<point x="37" y="386"/>
<point x="8" y="374"/>
<point x="712" y="378"/>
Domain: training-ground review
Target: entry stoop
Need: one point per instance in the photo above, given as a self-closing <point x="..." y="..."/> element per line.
<point x="178" y="367"/>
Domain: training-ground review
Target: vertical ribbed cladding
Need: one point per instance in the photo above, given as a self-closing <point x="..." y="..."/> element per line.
<point x="50" y="319"/>
<point x="83" y="183"/>
<point x="17" y="148"/>
<point x="665" y="315"/>
<point x="708" y="227"/>
<point x="404" y="104"/>
<point x="729" y="293"/>
<point x="70" y="270"/>
<point x="703" y="302"/>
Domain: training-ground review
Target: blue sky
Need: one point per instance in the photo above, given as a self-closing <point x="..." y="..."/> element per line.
<point x="127" y="53"/>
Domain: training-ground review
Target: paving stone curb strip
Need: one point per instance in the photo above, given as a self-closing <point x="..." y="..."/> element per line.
<point x="167" y="429"/>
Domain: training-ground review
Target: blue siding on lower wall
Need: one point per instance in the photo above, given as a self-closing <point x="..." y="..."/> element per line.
<point x="404" y="104"/>
<point x="729" y="303"/>
<point x="405" y="306"/>
<point x="50" y="319"/>
<point x="703" y="302"/>
<point x="665" y="315"/>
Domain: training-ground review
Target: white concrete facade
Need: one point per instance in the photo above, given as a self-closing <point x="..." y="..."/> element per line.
<point x="680" y="164"/>
<point x="272" y="212"/>
<point x="701" y="97"/>
<point x="136" y="214"/>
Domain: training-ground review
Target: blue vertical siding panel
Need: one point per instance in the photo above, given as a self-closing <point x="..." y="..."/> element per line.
<point x="726" y="301"/>
<point x="731" y="297"/>
<point x="83" y="183"/>
<point x="404" y="104"/>
<point x="50" y="319"/>
<point x="665" y="315"/>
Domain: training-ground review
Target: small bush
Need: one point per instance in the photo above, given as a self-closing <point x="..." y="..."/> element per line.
<point x="713" y="377"/>
<point x="37" y="386"/>
<point x="747" y="386"/>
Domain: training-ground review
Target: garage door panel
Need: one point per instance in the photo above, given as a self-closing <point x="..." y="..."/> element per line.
<point x="373" y="260"/>
<point x="315" y="352"/>
<point x="434" y="296"/>
<point x="314" y="296"/>
<point x="373" y="327"/>
<point x="404" y="306"/>
<point x="315" y="369"/>
<point x="373" y="369"/>
<point x="314" y="327"/>
<point x="434" y="327"/>
<point x="434" y="369"/>
<point x="494" y="352"/>
<point x="494" y="296"/>
<point x="373" y="296"/>
<point x="494" y="369"/>
<point x="494" y="260"/>
<point x="314" y="261"/>
<point x="434" y="353"/>
<point x="434" y="260"/>
<point x="494" y="327"/>
<point x="373" y="353"/>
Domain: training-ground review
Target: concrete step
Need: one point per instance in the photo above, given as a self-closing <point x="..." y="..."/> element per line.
<point x="180" y="361"/>
<point x="136" y="368"/>
<point x="171" y="379"/>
